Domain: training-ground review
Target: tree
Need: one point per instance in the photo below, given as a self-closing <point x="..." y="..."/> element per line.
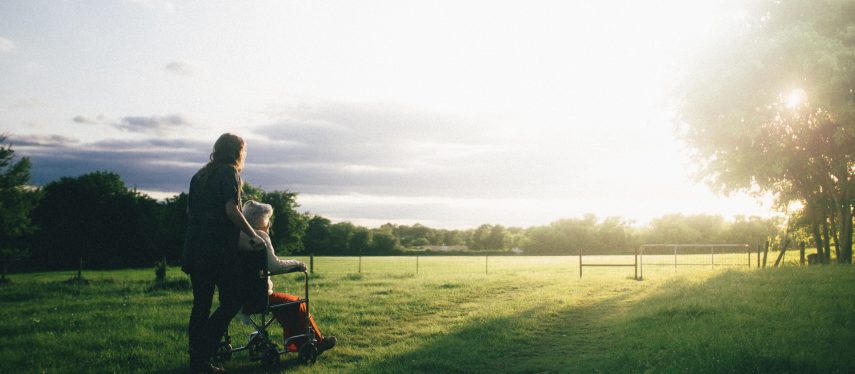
<point x="496" y="239"/>
<point x="288" y="226"/>
<point x="16" y="203"/>
<point x="340" y="235"/>
<point x="174" y="222"/>
<point x="771" y="110"/>
<point x="360" y="241"/>
<point x="384" y="242"/>
<point x="95" y="217"/>
<point x="316" y="241"/>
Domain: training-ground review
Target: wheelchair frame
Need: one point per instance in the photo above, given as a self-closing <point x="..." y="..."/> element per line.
<point x="261" y="347"/>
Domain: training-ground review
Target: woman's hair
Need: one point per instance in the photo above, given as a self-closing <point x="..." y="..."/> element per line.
<point x="257" y="214"/>
<point x="228" y="150"/>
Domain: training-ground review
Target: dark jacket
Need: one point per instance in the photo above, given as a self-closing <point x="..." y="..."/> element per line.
<point x="211" y="239"/>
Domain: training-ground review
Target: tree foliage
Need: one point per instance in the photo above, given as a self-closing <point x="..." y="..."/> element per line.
<point x="772" y="109"/>
<point x="16" y="203"/>
<point x="97" y="218"/>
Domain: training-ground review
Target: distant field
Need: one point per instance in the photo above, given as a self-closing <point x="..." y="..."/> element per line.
<point x="526" y="314"/>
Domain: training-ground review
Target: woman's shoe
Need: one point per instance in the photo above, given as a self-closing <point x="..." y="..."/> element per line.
<point x="326" y="344"/>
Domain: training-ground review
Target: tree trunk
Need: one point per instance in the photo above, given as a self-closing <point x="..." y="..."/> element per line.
<point x="783" y="251"/>
<point x="817" y="237"/>
<point x="833" y="233"/>
<point x="765" y="253"/>
<point x="845" y="253"/>
<point x="826" y="241"/>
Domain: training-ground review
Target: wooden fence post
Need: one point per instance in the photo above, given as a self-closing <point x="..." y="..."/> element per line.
<point x="360" y="264"/>
<point x="765" y="253"/>
<point x="758" y="255"/>
<point x="580" y="262"/>
<point x="636" y="264"/>
<point x="311" y="264"/>
<point x="802" y="253"/>
<point x="675" y="257"/>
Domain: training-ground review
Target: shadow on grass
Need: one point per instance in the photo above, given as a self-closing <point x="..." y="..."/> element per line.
<point x="796" y="321"/>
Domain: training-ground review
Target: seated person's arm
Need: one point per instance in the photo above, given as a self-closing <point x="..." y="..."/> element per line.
<point x="274" y="264"/>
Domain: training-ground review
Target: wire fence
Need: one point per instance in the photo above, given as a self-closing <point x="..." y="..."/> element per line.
<point x="649" y="259"/>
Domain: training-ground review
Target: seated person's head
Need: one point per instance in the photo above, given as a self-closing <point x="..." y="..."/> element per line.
<point x="258" y="214"/>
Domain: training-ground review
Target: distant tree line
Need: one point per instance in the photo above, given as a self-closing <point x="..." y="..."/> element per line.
<point x="98" y="219"/>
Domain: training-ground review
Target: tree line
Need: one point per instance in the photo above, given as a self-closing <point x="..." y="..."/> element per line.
<point x="97" y="218"/>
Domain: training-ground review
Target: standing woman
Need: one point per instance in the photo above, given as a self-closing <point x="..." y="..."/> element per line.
<point x="210" y="247"/>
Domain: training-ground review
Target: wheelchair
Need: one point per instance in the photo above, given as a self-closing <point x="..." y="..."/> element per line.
<point x="259" y="344"/>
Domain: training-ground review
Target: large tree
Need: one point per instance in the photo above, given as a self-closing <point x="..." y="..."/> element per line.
<point x="16" y="202"/>
<point x="772" y="109"/>
<point x="95" y="217"/>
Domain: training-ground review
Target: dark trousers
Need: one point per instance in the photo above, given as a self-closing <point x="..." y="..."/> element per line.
<point x="205" y="331"/>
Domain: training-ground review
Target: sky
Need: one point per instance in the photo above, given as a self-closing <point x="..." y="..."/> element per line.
<point x="447" y="113"/>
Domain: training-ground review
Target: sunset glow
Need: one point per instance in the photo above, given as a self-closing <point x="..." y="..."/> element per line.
<point x="558" y="105"/>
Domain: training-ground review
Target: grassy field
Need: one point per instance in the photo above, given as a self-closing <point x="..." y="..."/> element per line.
<point x="459" y="314"/>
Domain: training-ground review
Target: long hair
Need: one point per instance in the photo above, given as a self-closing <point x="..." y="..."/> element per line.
<point x="228" y="150"/>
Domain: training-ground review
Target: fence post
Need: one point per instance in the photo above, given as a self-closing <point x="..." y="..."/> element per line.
<point x="360" y="264"/>
<point x="580" y="262"/>
<point x="758" y="256"/>
<point x="311" y="264"/>
<point x="636" y="264"/>
<point x="802" y="253"/>
<point x="712" y="256"/>
<point x="675" y="257"/>
<point x="765" y="253"/>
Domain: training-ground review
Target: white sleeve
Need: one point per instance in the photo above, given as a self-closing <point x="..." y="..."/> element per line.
<point x="274" y="264"/>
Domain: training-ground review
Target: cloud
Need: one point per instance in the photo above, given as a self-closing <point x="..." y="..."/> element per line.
<point x="341" y="148"/>
<point x="6" y="45"/>
<point x="151" y="164"/>
<point x="87" y="120"/>
<point x="180" y="68"/>
<point x="41" y="140"/>
<point x="167" y="6"/>
<point x="27" y="103"/>
<point x="152" y="124"/>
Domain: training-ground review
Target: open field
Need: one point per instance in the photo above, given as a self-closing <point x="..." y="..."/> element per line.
<point x="527" y="314"/>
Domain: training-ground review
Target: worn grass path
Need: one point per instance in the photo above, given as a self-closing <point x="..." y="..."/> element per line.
<point x="388" y="321"/>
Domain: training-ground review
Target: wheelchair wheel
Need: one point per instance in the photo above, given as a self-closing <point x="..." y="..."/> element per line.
<point x="308" y="353"/>
<point x="256" y="349"/>
<point x="224" y="352"/>
<point x="270" y="356"/>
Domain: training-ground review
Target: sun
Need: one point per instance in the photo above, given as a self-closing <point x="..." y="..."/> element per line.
<point x="796" y="98"/>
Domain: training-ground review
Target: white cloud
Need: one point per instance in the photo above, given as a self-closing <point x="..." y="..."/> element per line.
<point x="180" y="68"/>
<point x="155" y="4"/>
<point x="6" y="45"/>
<point x="87" y="120"/>
<point x="27" y="103"/>
<point x="148" y="124"/>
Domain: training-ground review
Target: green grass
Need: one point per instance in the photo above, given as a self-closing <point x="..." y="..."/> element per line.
<point x="526" y="315"/>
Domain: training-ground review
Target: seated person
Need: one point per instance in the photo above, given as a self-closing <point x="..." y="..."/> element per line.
<point x="293" y="320"/>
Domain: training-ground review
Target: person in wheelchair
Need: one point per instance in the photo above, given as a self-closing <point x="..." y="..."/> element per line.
<point x="292" y="320"/>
